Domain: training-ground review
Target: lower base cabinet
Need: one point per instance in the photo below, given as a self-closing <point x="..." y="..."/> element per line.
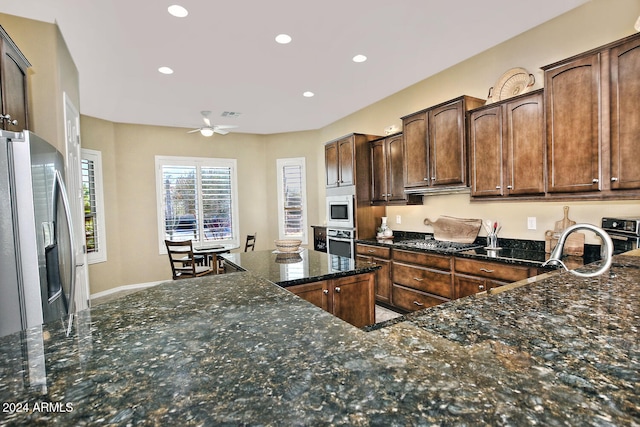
<point x="349" y="298"/>
<point x="474" y="276"/>
<point x="380" y="256"/>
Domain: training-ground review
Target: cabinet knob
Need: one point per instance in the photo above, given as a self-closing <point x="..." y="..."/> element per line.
<point x="338" y="289"/>
<point x="481" y="287"/>
<point x="433" y="178"/>
<point x="7" y="117"/>
<point x="614" y="178"/>
<point x="425" y="179"/>
<point x="326" y="292"/>
<point x="509" y="187"/>
<point x="595" y="180"/>
<point x="497" y="187"/>
<point x="419" y="304"/>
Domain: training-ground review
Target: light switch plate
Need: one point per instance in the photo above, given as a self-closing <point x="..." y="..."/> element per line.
<point x="398" y="219"/>
<point x="531" y="223"/>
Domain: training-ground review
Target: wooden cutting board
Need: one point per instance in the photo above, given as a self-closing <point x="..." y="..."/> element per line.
<point x="460" y="230"/>
<point x="574" y="244"/>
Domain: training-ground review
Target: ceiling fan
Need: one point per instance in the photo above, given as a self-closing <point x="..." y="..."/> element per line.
<point x="210" y="129"/>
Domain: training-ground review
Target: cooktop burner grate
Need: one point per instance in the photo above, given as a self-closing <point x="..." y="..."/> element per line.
<point x="438" y="245"/>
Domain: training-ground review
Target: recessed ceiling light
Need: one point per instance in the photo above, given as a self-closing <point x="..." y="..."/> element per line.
<point x="359" y="58"/>
<point x="165" y="70"/>
<point x="308" y="94"/>
<point x="178" y="11"/>
<point x="283" y="38"/>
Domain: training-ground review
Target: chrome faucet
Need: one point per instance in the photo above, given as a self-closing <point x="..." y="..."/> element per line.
<point x="607" y="252"/>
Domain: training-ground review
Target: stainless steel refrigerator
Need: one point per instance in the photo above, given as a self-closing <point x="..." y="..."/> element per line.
<point x="37" y="277"/>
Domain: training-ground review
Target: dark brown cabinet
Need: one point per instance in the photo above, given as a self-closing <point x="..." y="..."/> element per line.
<point x="435" y="145"/>
<point x="474" y="276"/>
<point x="420" y="280"/>
<point x="592" y="121"/>
<point x="14" y="114"/>
<point x="507" y="147"/>
<point x="380" y="256"/>
<point x="574" y="125"/>
<point x="625" y="115"/>
<point x="349" y="298"/>
<point x="387" y="170"/>
<point x="339" y="162"/>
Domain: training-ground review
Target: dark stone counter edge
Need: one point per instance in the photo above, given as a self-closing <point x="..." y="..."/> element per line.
<point x="360" y="269"/>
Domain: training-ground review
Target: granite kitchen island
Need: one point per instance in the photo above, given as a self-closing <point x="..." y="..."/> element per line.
<point x="235" y="349"/>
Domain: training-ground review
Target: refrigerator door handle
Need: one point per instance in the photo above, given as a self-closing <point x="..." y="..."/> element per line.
<point x="72" y="242"/>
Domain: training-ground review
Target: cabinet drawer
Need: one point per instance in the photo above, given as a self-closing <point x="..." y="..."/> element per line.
<point x="441" y="262"/>
<point x="412" y="300"/>
<point x="423" y="279"/>
<point x="493" y="270"/>
<point x="375" y="251"/>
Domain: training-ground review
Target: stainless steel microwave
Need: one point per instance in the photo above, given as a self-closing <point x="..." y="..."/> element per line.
<point x="340" y="211"/>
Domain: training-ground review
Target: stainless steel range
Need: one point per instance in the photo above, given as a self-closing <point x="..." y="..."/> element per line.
<point x="624" y="232"/>
<point x="437" y="245"/>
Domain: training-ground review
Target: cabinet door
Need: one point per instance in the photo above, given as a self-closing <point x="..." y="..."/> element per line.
<point x="313" y="292"/>
<point x="353" y="299"/>
<point x="466" y="286"/>
<point x="625" y="118"/>
<point x="524" y="143"/>
<point x="378" y="171"/>
<point x="331" y="164"/>
<point x="447" y="144"/>
<point x="383" y="280"/>
<point x="485" y="134"/>
<point x="573" y="119"/>
<point x="395" y="167"/>
<point x="415" y="150"/>
<point x="13" y="90"/>
<point x="345" y="162"/>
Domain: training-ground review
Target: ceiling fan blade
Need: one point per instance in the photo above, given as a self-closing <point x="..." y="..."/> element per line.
<point x="195" y="130"/>
<point x="225" y="126"/>
<point x="207" y="121"/>
<point x="220" y="131"/>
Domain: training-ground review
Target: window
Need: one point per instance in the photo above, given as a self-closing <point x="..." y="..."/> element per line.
<point x="197" y="200"/>
<point x="94" y="225"/>
<point x="292" y="199"/>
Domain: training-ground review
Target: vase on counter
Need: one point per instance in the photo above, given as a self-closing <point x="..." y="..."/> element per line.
<point x="385" y="231"/>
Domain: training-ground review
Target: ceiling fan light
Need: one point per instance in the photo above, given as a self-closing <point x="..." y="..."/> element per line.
<point x="283" y="38"/>
<point x="206" y="131"/>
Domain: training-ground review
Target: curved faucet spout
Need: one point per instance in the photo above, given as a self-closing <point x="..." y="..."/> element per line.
<point x="607" y="253"/>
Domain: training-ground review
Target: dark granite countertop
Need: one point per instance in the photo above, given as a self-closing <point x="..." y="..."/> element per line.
<point x="305" y="266"/>
<point x="235" y="349"/>
<point x="512" y="251"/>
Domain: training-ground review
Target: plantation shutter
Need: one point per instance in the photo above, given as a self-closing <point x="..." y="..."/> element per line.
<point x="217" y="202"/>
<point x="293" y="199"/>
<point x="91" y="225"/>
<point x="180" y="201"/>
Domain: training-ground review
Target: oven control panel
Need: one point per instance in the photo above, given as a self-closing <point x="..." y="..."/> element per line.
<point x="624" y="225"/>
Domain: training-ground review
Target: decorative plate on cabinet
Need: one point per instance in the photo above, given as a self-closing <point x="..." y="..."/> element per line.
<point x="513" y="82"/>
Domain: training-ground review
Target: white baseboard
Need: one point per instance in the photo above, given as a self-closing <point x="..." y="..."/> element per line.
<point x="125" y="288"/>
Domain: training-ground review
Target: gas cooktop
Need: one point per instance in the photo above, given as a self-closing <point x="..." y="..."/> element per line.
<point x="437" y="245"/>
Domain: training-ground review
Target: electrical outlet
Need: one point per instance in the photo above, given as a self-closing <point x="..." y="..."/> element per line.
<point x="398" y="219"/>
<point x="531" y="223"/>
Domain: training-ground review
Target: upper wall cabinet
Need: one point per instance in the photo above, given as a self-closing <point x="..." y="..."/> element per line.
<point x="625" y="115"/>
<point x="593" y="121"/>
<point x="435" y="146"/>
<point x="348" y="166"/>
<point x="13" y="86"/>
<point x="507" y="147"/>
<point x="387" y="170"/>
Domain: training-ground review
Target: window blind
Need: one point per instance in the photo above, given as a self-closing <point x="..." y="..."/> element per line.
<point x="197" y="202"/>
<point x="293" y="199"/>
<point x="90" y="210"/>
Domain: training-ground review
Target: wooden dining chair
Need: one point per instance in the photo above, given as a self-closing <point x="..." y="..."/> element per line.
<point x="183" y="262"/>
<point x="251" y="242"/>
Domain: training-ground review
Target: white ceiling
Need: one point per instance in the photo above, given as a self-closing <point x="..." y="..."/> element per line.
<point x="225" y="57"/>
